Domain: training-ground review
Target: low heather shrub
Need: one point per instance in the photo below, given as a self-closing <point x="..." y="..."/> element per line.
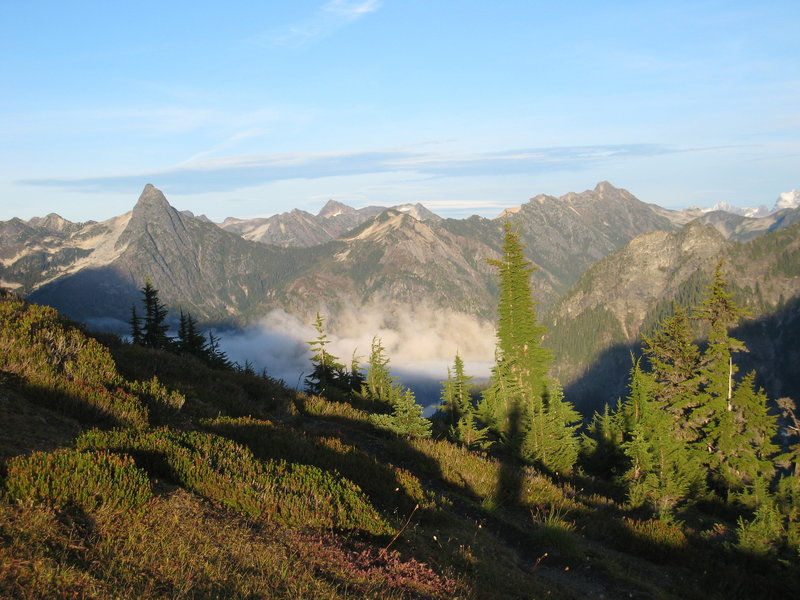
<point x="85" y="479"/>
<point x="226" y="472"/>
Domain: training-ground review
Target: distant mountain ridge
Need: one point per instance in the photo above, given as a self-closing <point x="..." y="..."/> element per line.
<point x="600" y="320"/>
<point x="229" y="273"/>
<point x="299" y="228"/>
<point x="608" y="266"/>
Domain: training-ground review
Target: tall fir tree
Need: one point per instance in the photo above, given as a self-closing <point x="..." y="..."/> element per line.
<point x="379" y="384"/>
<point x="519" y="405"/>
<point x="713" y="415"/>
<point x="717" y="368"/>
<point x="744" y="443"/>
<point x="550" y="433"/>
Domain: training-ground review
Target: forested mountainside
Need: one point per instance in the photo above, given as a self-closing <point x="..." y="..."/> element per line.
<point x="594" y="328"/>
<point x="201" y="482"/>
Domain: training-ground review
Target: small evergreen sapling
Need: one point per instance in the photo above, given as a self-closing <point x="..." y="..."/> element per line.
<point x="328" y="376"/>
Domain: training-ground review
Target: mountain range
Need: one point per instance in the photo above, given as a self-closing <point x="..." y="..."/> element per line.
<point x="608" y="266"/>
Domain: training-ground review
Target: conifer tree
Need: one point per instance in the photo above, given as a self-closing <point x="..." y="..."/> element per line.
<point x="406" y="418"/>
<point x="154" y="329"/>
<point x="136" y="327"/>
<point x="328" y="377"/>
<point x="457" y="405"/>
<point x="355" y="376"/>
<point x="379" y="384"/>
<point x="217" y="358"/>
<point x="190" y="340"/>
<point x="661" y="472"/>
<point x="675" y="368"/>
<point x="717" y="367"/>
<point x="520" y="388"/>
<point x="601" y="444"/>
<point x="405" y="415"/>
<point x="725" y="422"/>
<point x="549" y="436"/>
<point x="744" y="441"/>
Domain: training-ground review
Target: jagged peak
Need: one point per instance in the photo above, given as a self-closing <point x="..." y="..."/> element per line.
<point x="151" y="197"/>
<point x="604" y="187"/>
<point x="53" y="222"/>
<point x="333" y="208"/>
<point x="418" y="211"/>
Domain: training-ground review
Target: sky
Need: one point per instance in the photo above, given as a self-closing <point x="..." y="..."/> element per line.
<point x="254" y="108"/>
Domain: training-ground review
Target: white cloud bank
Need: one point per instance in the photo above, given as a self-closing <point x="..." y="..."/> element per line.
<point x="419" y="342"/>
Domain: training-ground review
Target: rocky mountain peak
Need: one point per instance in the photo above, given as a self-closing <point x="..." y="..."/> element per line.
<point x="54" y="222"/>
<point x="333" y="208"/>
<point x="151" y="199"/>
<point x="604" y="187"/>
<point x="153" y="213"/>
<point x="418" y="211"/>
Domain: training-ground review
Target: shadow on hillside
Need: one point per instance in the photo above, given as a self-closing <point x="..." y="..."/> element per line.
<point x="773" y="352"/>
<point x="603" y="382"/>
<point x="773" y="342"/>
<point x="91" y="292"/>
<point x="509" y="479"/>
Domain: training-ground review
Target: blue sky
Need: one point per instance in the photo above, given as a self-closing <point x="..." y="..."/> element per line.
<point x="252" y="108"/>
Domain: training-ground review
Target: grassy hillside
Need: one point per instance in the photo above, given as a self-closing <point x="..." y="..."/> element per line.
<point x="133" y="473"/>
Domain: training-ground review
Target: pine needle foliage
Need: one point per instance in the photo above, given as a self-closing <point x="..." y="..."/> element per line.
<point x="382" y="389"/>
<point x="458" y="408"/>
<point x="522" y="406"/>
<point x="328" y="376"/>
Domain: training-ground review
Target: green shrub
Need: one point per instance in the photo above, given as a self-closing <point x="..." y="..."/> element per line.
<point x="65" y="369"/>
<point x="762" y="534"/>
<point x="388" y="486"/>
<point x="86" y="479"/>
<point x="226" y="472"/>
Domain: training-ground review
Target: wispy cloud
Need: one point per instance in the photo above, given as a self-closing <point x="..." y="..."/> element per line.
<point x="323" y="22"/>
<point x="240" y="171"/>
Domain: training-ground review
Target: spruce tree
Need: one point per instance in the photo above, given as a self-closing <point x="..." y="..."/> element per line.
<point x="406" y="417"/>
<point x="661" y="472"/>
<point x="356" y="378"/>
<point x="675" y="368"/>
<point x="717" y="368"/>
<point x="136" y="327"/>
<point x="601" y="444"/>
<point x="217" y="358"/>
<point x="190" y="340"/>
<point x="154" y="329"/>
<point x="723" y="422"/>
<point x="549" y="437"/>
<point x="744" y="442"/>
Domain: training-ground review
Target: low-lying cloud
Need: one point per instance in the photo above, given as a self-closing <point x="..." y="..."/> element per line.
<point x="420" y="344"/>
